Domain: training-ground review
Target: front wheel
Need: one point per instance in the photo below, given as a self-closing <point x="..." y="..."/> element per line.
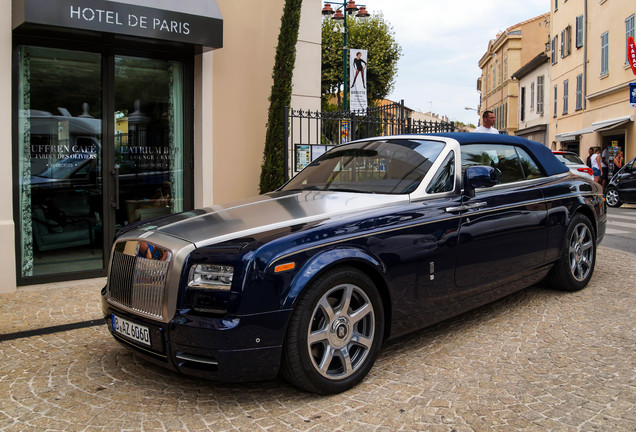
<point x="575" y="267"/>
<point x="335" y="333"/>
<point x="612" y="199"/>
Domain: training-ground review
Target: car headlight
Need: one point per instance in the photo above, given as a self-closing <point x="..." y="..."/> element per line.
<point x="211" y="276"/>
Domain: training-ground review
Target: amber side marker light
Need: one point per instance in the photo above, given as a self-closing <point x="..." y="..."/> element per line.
<point x="284" y="267"/>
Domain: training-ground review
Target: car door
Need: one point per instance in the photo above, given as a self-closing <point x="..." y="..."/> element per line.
<point x="420" y="257"/>
<point x="419" y="261"/>
<point x="626" y="183"/>
<point x="503" y="228"/>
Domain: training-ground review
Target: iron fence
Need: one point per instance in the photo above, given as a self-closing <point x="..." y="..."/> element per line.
<point x="308" y="134"/>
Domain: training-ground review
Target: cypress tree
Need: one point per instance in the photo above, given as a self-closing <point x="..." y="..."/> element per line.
<point x="273" y="168"/>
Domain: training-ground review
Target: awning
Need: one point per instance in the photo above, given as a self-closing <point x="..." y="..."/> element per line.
<point x="611" y="124"/>
<point x="599" y="126"/>
<point x="196" y="22"/>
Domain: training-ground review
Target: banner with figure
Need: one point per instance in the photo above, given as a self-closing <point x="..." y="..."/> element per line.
<point x="358" y="80"/>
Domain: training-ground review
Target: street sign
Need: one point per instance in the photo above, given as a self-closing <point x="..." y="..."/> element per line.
<point x="631" y="53"/>
<point x="632" y="94"/>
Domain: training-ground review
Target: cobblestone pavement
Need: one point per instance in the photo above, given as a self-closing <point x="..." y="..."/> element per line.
<point x="537" y="360"/>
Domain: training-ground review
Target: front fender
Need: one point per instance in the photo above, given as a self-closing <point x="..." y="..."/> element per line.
<point x="322" y="262"/>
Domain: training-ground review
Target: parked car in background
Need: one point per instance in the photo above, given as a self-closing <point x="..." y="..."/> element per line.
<point x="574" y="163"/>
<point x="622" y="186"/>
<point x="374" y="239"/>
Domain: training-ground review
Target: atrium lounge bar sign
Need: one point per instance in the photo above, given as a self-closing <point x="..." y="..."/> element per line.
<point x="196" y="22"/>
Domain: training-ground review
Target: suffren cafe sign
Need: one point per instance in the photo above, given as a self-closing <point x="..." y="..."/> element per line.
<point x="196" y="22"/>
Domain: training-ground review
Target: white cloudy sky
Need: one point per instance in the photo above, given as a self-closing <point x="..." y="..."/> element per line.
<point x="442" y="42"/>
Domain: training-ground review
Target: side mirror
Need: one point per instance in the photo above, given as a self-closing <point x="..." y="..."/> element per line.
<point x="479" y="176"/>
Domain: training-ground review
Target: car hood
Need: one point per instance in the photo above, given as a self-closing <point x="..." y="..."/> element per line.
<point x="263" y="213"/>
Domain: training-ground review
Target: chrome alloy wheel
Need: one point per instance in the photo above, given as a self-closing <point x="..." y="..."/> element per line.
<point x="611" y="197"/>
<point x="341" y="332"/>
<point x="581" y="252"/>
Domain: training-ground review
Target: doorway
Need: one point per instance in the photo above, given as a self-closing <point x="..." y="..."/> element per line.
<point x="148" y="142"/>
<point x="613" y="143"/>
<point x="100" y="145"/>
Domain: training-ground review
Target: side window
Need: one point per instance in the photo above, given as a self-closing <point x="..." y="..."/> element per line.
<point x="528" y="165"/>
<point x="479" y="154"/>
<point x="509" y="166"/>
<point x="513" y="164"/>
<point x="444" y="180"/>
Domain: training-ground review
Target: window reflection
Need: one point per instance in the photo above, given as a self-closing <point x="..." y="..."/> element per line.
<point x="63" y="168"/>
<point x="60" y="189"/>
<point x="149" y="138"/>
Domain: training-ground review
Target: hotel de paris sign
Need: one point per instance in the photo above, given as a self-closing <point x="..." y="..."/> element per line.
<point x="196" y="22"/>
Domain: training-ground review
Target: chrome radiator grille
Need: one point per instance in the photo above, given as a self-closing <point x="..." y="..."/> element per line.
<point x="138" y="283"/>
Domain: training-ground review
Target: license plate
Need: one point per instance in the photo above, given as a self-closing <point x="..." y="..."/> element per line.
<point x="131" y="330"/>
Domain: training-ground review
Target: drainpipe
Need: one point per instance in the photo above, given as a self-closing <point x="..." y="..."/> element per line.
<point x="584" y="54"/>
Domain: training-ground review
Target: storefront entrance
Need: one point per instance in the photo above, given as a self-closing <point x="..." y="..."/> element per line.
<point x="101" y="143"/>
<point x="614" y="143"/>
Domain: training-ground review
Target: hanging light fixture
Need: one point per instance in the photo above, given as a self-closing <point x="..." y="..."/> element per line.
<point x="362" y="13"/>
<point x="351" y="7"/>
<point x="338" y="15"/>
<point x="327" y="10"/>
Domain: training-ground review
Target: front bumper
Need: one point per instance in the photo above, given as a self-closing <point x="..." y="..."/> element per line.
<point x="245" y="348"/>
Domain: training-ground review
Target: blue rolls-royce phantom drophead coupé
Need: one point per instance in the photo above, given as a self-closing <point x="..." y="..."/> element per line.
<point x="374" y="239"/>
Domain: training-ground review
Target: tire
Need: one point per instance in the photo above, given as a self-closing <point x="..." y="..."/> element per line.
<point x="575" y="267"/>
<point x="612" y="199"/>
<point x="334" y="334"/>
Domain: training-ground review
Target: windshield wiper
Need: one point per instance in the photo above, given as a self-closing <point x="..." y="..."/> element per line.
<point x="304" y="188"/>
<point x="340" y="189"/>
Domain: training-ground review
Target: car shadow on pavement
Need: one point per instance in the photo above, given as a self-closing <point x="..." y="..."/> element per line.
<point x="435" y="341"/>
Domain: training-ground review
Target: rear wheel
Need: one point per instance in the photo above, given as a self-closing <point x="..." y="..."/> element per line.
<point x="335" y="333"/>
<point x="575" y="267"/>
<point x="612" y="199"/>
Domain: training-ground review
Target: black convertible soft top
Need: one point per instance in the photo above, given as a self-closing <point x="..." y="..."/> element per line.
<point x="543" y="155"/>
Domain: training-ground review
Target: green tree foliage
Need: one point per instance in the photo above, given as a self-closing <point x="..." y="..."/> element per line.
<point x="461" y="125"/>
<point x="374" y="35"/>
<point x="273" y="168"/>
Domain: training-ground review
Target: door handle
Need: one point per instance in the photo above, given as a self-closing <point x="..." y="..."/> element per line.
<point x="115" y="173"/>
<point x="456" y="209"/>
<point x="476" y="205"/>
<point x="465" y="207"/>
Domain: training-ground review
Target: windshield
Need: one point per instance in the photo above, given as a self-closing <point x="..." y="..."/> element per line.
<point x="569" y="158"/>
<point x="385" y="167"/>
